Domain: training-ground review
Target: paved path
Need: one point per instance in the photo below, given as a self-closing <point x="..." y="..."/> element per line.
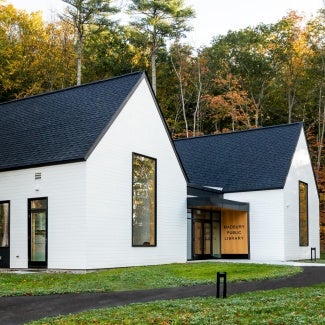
<point x="18" y="310"/>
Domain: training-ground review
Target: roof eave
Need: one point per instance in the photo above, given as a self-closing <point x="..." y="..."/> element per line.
<point x="54" y="163"/>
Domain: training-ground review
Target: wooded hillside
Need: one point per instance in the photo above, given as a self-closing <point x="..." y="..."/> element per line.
<point x="264" y="75"/>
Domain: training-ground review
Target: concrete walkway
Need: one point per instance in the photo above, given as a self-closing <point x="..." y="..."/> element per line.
<point x="21" y="309"/>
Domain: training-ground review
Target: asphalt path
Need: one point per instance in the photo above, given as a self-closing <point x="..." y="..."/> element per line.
<point x="21" y="309"/>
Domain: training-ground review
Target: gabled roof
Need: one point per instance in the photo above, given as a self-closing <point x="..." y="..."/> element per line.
<point x="251" y="160"/>
<point x="61" y="126"/>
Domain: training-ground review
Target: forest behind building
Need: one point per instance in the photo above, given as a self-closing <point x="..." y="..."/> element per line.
<point x="262" y="75"/>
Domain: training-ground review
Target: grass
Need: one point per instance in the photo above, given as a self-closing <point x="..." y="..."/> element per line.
<point x="283" y="306"/>
<point x="160" y="276"/>
<point x="321" y="259"/>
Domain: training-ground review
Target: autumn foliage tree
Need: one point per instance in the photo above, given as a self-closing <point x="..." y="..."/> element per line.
<point x="35" y="56"/>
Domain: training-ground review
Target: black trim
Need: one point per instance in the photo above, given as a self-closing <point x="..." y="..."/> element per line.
<point x="222" y="256"/>
<point x="199" y="202"/>
<point x="145" y="244"/>
<point x="307" y="212"/>
<point x="235" y="256"/>
<point x="5" y="251"/>
<point x="34" y="264"/>
<point x="116" y="114"/>
<point x="54" y="163"/>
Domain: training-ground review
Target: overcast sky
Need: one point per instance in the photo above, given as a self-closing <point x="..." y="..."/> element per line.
<point x="213" y="17"/>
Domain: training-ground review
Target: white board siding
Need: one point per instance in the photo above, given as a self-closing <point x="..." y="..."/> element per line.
<point x="266" y="225"/>
<point x="138" y="128"/>
<point x="64" y="186"/>
<point x="274" y="215"/>
<point x="300" y="170"/>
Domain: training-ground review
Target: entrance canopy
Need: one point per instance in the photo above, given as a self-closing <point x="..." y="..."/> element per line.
<point x="205" y="197"/>
<point x="219" y="227"/>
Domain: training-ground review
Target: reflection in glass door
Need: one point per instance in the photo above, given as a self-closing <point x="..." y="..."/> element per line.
<point x="38" y="237"/>
<point x="207" y="238"/>
<point x="4" y="235"/>
<point x="206" y="234"/>
<point x="197" y="238"/>
<point x="202" y="239"/>
<point x="37" y="233"/>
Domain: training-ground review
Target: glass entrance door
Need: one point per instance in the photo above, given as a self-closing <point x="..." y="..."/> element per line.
<point x="4" y="235"/>
<point x="38" y="233"/>
<point x="206" y="234"/>
<point x="202" y="239"/>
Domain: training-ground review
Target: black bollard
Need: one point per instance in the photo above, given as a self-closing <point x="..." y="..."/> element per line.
<point x="313" y="249"/>
<point x="222" y="275"/>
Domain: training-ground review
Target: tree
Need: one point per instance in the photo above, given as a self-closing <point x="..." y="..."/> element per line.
<point x="316" y="28"/>
<point x="34" y="56"/>
<point x="160" y="20"/>
<point x="87" y="17"/>
<point x="110" y="53"/>
<point x="233" y="103"/>
<point x="186" y="67"/>
<point x="291" y="52"/>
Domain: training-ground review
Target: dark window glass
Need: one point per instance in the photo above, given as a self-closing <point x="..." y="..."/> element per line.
<point x="38" y="204"/>
<point x="38" y="231"/>
<point x="143" y="201"/>
<point x="303" y="214"/>
<point x="4" y="224"/>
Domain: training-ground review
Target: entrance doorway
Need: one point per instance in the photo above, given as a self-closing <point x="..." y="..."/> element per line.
<point x="206" y="234"/>
<point x="219" y="234"/>
<point x="37" y="233"/>
<point x="4" y="234"/>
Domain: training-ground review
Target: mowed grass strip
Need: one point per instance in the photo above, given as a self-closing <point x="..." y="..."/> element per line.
<point x="135" y="278"/>
<point x="283" y="306"/>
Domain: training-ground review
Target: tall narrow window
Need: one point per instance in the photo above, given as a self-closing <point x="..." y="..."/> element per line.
<point x="143" y="201"/>
<point x="37" y="216"/>
<point x="4" y="224"/>
<point x="303" y="214"/>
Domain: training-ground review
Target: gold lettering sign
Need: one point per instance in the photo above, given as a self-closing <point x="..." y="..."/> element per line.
<point x="234" y="232"/>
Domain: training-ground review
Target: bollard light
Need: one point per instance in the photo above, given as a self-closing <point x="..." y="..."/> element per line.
<point x="223" y="276"/>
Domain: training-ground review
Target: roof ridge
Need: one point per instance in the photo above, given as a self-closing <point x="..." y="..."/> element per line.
<point x="72" y="87"/>
<point x="241" y="131"/>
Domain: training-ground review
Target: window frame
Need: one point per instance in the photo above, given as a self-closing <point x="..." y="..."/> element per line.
<point x="30" y="210"/>
<point x="147" y="243"/>
<point x="8" y="225"/>
<point x="303" y="215"/>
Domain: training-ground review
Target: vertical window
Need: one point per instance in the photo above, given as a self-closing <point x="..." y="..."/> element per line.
<point x="143" y="201"/>
<point x="303" y="214"/>
<point x="4" y="224"/>
<point x="37" y="215"/>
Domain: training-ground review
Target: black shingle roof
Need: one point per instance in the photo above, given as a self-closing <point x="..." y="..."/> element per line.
<point x="62" y="126"/>
<point x="257" y="159"/>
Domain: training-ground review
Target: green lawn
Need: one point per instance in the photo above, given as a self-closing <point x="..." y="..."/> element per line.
<point x="284" y="306"/>
<point x="319" y="260"/>
<point x="161" y="276"/>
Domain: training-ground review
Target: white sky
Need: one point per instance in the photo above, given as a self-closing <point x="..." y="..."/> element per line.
<point x="213" y="17"/>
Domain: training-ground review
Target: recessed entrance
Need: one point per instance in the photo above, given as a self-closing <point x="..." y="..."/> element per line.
<point x="219" y="234"/>
<point x="206" y="234"/>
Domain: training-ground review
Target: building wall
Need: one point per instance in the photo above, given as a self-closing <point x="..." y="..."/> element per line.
<point x="301" y="170"/>
<point x="274" y="215"/>
<point x="64" y="186"/>
<point x="266" y="224"/>
<point x="138" y="128"/>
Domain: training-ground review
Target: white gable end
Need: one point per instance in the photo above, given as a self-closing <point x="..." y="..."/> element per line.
<point x="300" y="170"/>
<point x="137" y="129"/>
<point x="274" y="214"/>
